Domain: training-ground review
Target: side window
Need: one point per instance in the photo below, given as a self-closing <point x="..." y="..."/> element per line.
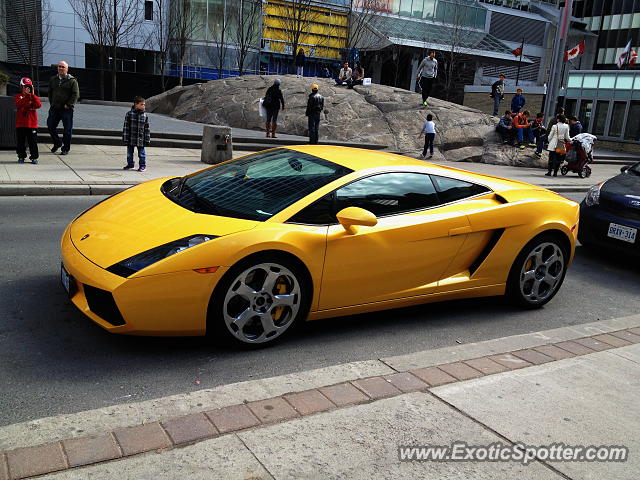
<point x="320" y="212"/>
<point x="388" y="193"/>
<point x="450" y="189"/>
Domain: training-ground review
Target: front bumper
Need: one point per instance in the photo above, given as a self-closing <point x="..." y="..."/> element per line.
<point x="594" y="225"/>
<point x="168" y="304"/>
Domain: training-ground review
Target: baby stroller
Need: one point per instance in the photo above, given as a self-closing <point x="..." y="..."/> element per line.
<point x="580" y="154"/>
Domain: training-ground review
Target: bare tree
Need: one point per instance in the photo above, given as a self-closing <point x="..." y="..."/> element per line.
<point x="94" y="17"/>
<point x="124" y="15"/>
<point x="218" y="25"/>
<point x="32" y="30"/>
<point x="185" y="25"/>
<point x="364" y="16"/>
<point x="160" y="36"/>
<point x="459" y="39"/>
<point x="245" y="28"/>
<point x="295" y="19"/>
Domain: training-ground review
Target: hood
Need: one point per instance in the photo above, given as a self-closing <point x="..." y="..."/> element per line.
<point x="139" y="219"/>
<point x="623" y="189"/>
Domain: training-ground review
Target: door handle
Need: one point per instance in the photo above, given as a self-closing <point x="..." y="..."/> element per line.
<point x="459" y="230"/>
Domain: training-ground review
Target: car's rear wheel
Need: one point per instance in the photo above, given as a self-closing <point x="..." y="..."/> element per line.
<point x="538" y="271"/>
<point x="259" y="300"/>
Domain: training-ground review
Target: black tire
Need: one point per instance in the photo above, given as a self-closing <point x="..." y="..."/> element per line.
<point x="582" y="173"/>
<point x="525" y="275"/>
<point x="564" y="170"/>
<point x="228" y="303"/>
<point x="588" y="171"/>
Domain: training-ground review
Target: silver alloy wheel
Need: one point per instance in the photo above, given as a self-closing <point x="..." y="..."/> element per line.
<point x="541" y="272"/>
<point x="262" y="303"/>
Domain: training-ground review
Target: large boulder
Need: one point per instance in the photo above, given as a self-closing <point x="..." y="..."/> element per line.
<point x="374" y="114"/>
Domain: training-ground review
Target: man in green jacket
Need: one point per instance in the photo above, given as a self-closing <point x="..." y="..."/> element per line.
<point x="63" y="95"/>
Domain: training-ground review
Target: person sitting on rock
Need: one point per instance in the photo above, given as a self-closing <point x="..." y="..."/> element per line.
<point x="505" y="127"/>
<point x="271" y="103"/>
<point x="356" y="76"/>
<point x="522" y="126"/>
<point x="345" y="74"/>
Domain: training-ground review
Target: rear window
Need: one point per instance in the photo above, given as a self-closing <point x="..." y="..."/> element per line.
<point x="255" y="187"/>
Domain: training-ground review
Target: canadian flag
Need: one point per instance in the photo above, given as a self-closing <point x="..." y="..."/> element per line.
<point x="574" y="52"/>
<point x="517" y="52"/>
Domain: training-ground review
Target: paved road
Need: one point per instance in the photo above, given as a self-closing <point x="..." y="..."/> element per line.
<point x="53" y="360"/>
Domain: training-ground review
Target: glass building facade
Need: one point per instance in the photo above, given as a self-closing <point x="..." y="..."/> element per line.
<point x="463" y="12"/>
<point x="606" y="102"/>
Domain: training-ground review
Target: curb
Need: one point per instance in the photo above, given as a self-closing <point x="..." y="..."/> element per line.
<point x="130" y="429"/>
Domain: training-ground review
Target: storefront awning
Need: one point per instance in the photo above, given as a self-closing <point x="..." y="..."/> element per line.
<point x="437" y="36"/>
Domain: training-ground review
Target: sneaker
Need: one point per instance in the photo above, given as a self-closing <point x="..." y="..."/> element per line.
<point x="20" y="160"/>
<point x="538" y="154"/>
<point x="55" y="148"/>
<point x="127" y="167"/>
<point x="522" y="147"/>
<point x="34" y="161"/>
<point x="431" y="156"/>
<point x="425" y="103"/>
<point x="142" y="169"/>
<point x="64" y="152"/>
<point x="532" y="145"/>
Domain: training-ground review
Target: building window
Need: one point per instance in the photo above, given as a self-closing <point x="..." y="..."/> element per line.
<point x="617" y="119"/>
<point x="584" y="113"/>
<point x="600" y="117"/>
<point x="148" y="10"/>
<point x="632" y="132"/>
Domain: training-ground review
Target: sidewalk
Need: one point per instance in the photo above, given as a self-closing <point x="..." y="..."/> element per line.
<point x="573" y="385"/>
<point x="97" y="170"/>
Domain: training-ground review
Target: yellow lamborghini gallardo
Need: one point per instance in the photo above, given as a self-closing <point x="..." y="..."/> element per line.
<point x="249" y="247"/>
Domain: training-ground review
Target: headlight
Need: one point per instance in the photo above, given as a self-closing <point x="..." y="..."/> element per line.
<point x="593" y="195"/>
<point x="142" y="260"/>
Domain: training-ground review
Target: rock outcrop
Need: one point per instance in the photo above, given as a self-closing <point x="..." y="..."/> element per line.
<point x="376" y="114"/>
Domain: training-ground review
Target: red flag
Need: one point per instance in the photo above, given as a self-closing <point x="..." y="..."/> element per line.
<point x="633" y="57"/>
<point x="517" y="52"/>
<point x="574" y="52"/>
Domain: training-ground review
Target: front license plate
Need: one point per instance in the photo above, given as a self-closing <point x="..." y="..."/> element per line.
<point x="65" y="278"/>
<point x="622" y="232"/>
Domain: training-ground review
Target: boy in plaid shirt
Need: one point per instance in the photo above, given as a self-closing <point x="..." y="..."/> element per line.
<point x="135" y="133"/>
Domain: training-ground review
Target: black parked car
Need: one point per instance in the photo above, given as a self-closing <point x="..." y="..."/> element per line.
<point x="610" y="213"/>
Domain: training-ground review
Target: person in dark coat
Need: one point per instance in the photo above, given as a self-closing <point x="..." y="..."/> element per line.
<point x="300" y="63"/>
<point x="135" y="133"/>
<point x="271" y="103"/>
<point x="315" y="105"/>
<point x="63" y="95"/>
<point x="575" y="127"/>
<point x="497" y="93"/>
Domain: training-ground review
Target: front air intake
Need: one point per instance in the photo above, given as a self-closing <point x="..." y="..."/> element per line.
<point x="102" y="304"/>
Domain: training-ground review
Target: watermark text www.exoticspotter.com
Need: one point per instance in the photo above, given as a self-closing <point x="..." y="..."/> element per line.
<point x="518" y="452"/>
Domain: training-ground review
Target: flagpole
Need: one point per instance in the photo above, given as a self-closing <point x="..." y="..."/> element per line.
<point x="520" y="62"/>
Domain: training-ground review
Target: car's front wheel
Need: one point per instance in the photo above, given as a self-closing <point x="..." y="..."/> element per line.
<point x="259" y="300"/>
<point x="538" y="271"/>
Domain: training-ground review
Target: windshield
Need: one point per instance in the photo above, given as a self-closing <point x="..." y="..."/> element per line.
<point x="254" y="187"/>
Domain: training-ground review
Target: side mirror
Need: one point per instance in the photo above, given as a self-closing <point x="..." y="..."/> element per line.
<point x="351" y="216"/>
<point x="624" y="169"/>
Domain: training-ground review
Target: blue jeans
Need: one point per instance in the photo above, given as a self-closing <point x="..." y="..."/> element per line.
<point x="142" y="156"/>
<point x="314" y="124"/>
<point x="540" y="143"/>
<point x="529" y="134"/>
<point x="496" y="104"/>
<point x="53" y="120"/>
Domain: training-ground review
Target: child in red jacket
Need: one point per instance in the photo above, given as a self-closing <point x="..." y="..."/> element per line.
<point x="27" y="121"/>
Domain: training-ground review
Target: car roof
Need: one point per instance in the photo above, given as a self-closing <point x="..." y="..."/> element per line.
<point x="359" y="159"/>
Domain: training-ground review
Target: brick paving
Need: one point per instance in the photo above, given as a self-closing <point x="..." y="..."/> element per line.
<point x="38" y="460"/>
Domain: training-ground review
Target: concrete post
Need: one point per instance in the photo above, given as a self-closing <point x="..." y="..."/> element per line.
<point x="217" y="145"/>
